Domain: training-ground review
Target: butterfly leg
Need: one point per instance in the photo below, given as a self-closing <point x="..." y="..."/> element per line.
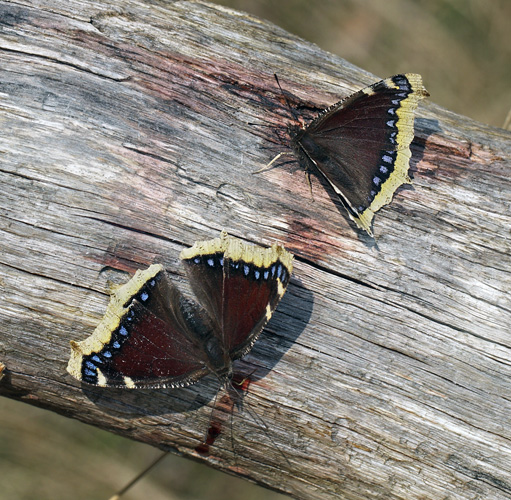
<point x="308" y="177"/>
<point x="268" y="165"/>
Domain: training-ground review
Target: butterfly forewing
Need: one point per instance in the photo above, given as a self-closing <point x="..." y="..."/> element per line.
<point x="144" y="339"/>
<point x="361" y="144"/>
<point x="251" y="294"/>
<point x="154" y="354"/>
<point x="249" y="283"/>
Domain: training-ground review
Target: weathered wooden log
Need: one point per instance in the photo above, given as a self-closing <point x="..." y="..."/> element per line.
<point x="132" y="129"/>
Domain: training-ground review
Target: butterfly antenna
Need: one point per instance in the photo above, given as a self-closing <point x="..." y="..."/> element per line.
<point x="255" y="415"/>
<point x="269" y="165"/>
<point x="232" y="428"/>
<point x="121" y="492"/>
<point x="292" y="111"/>
<point x="257" y="418"/>
<point x="206" y="436"/>
<point x="237" y="400"/>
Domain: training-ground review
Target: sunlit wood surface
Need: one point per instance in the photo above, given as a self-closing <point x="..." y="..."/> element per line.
<point x="132" y="129"/>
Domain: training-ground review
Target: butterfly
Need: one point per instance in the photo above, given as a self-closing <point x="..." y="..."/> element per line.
<point x="152" y="336"/>
<point x="361" y="145"/>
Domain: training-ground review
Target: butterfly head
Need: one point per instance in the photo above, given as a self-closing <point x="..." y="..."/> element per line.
<point x="224" y="374"/>
<point x="295" y="130"/>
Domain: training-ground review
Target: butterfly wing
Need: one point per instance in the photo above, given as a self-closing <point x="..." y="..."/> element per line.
<point x="145" y="339"/>
<point x="361" y="144"/>
<point x="239" y="285"/>
<point x="255" y="280"/>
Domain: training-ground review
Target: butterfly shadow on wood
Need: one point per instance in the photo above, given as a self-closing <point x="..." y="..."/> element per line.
<point x="133" y="349"/>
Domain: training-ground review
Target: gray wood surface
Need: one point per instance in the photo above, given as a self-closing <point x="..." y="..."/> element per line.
<point x="131" y="129"/>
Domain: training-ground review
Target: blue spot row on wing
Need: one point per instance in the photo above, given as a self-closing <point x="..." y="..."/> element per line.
<point x="213" y="261"/>
<point x="216" y="261"/>
<point x="385" y="168"/>
<point x="101" y="359"/>
<point x="388" y="158"/>
<point x="144" y="293"/>
<point x="402" y="82"/>
<point x="276" y="271"/>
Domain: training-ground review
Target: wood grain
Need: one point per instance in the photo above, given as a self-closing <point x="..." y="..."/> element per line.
<point x="132" y="129"/>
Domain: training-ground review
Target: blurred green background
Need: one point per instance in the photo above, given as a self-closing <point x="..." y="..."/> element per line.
<point x="462" y="49"/>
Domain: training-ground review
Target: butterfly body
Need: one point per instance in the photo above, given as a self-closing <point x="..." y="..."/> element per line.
<point x="360" y="145"/>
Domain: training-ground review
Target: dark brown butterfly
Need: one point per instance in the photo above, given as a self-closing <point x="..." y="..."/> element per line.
<point x="152" y="336"/>
<point x="361" y="145"/>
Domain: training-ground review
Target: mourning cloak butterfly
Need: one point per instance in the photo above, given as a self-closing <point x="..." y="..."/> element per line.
<point x="360" y="145"/>
<point x="152" y="336"/>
